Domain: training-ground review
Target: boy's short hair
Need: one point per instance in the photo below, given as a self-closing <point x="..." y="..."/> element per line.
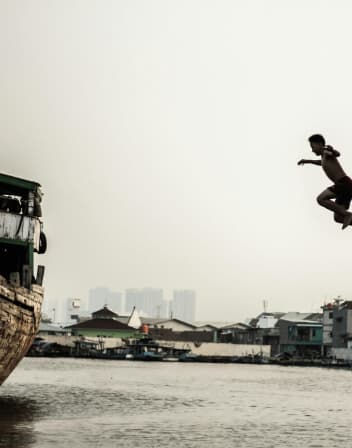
<point x="317" y="138"/>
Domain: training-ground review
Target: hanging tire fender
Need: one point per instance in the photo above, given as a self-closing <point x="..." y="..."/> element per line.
<point x="42" y="243"/>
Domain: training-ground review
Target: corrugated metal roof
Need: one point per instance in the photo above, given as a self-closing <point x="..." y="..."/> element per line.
<point x="151" y="320"/>
<point x="292" y="315"/>
<point x="303" y="322"/>
<point x="213" y="323"/>
<point x="53" y="328"/>
<point x="236" y="325"/>
<point x="156" y="321"/>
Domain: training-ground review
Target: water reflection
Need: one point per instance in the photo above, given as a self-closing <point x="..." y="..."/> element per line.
<point x="16" y="422"/>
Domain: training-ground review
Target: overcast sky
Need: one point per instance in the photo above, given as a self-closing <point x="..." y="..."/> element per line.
<point x="166" y="136"/>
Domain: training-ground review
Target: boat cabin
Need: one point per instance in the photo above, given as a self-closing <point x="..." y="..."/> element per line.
<point x="20" y="230"/>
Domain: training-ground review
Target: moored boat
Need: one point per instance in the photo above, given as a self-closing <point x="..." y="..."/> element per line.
<point x="147" y="349"/>
<point x="21" y="291"/>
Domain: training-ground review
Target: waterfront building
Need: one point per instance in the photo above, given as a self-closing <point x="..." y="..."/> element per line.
<point x="108" y="328"/>
<point x="183" y="305"/>
<point x="337" y="330"/>
<point x="169" y="324"/>
<point x="328" y="321"/>
<point x="46" y="329"/>
<point x="342" y="325"/>
<point x="266" y="320"/>
<point x="238" y="333"/>
<point x="73" y="309"/>
<point x="272" y="329"/>
<point x="177" y="330"/>
<point x="104" y="323"/>
<point x="303" y="337"/>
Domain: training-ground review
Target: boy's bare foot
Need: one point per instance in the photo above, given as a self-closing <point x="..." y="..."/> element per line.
<point x="347" y="221"/>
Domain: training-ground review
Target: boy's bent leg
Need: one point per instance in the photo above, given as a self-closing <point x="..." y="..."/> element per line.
<point x="338" y="218"/>
<point x="325" y="199"/>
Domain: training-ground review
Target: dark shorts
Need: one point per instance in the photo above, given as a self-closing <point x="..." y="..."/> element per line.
<point x="343" y="191"/>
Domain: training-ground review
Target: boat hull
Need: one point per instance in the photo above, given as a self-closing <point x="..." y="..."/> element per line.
<point x="20" y="314"/>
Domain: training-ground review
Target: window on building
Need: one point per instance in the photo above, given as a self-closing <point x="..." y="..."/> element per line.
<point x="303" y="334"/>
<point x="291" y="332"/>
<point x="331" y="314"/>
<point x="339" y="319"/>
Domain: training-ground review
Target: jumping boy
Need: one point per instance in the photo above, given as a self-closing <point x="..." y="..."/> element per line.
<point x="336" y="198"/>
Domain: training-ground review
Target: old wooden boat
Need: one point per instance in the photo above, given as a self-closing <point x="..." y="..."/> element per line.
<point x="21" y="290"/>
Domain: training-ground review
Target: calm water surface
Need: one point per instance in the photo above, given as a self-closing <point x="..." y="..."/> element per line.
<point x="85" y="403"/>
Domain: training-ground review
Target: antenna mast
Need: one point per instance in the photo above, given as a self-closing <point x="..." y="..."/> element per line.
<point x="265" y="306"/>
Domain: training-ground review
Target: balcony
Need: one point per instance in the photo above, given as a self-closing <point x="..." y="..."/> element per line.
<point x="20" y="228"/>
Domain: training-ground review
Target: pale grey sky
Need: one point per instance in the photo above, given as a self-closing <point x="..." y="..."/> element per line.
<point x="166" y="136"/>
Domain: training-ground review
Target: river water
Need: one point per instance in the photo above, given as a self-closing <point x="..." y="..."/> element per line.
<point x="87" y="403"/>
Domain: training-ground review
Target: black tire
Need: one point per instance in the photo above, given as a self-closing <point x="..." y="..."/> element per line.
<point x="42" y="243"/>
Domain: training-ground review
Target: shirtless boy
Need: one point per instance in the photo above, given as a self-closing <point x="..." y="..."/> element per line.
<point x="336" y="198"/>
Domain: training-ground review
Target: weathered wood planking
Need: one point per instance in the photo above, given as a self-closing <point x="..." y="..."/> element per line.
<point x="20" y="313"/>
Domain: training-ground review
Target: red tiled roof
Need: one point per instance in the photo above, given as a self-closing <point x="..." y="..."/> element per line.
<point x="102" y="324"/>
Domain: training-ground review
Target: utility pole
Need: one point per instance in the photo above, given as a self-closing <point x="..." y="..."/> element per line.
<point x="265" y="305"/>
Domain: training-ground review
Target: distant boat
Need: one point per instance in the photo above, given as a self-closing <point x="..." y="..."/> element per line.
<point x="21" y="291"/>
<point x="147" y="349"/>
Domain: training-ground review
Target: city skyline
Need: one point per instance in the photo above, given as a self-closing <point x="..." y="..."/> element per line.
<point x="122" y="302"/>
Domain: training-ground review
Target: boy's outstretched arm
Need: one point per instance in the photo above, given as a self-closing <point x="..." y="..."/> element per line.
<point x="312" y="162"/>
